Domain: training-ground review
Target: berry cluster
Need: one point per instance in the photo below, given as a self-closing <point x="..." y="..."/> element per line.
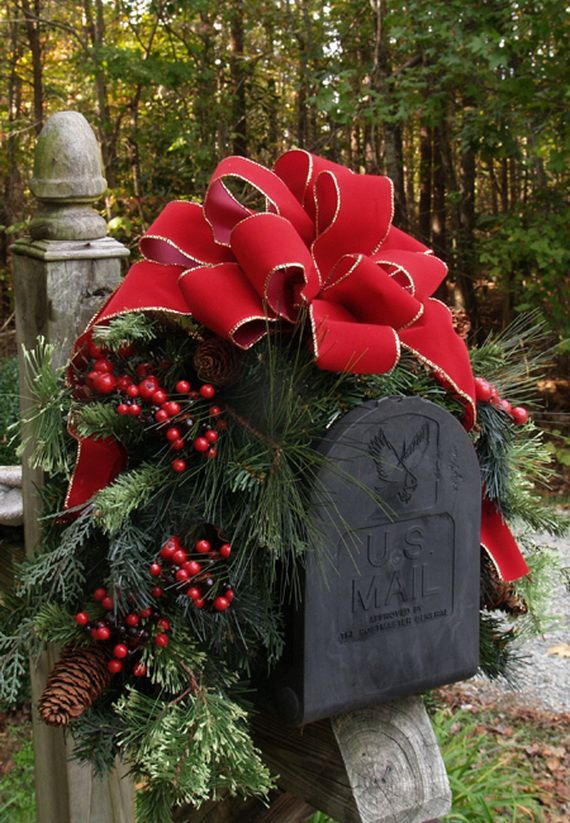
<point x="486" y="392"/>
<point x="142" y="396"/>
<point x="124" y="635"/>
<point x="199" y="573"/>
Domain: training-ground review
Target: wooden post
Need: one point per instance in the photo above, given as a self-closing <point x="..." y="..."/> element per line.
<point x="61" y="275"/>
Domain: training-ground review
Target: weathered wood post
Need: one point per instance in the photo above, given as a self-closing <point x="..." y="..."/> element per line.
<point x="61" y="275"/>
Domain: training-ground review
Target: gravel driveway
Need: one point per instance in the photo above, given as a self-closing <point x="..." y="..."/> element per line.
<point x="544" y="678"/>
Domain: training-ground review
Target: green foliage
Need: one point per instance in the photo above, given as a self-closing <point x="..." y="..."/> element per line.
<point x="16" y="641"/>
<point x="130" y="491"/>
<point x="17" y="800"/>
<point x="191" y="749"/>
<point x="44" y="441"/>
<point x="125" y="330"/>
<point x="498" y="648"/>
<point x="9" y="410"/>
<point x="489" y="781"/>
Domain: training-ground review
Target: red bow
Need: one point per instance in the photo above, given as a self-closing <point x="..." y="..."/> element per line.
<point x="324" y="244"/>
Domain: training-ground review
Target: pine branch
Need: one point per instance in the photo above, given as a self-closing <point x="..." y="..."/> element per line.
<point x="100" y="420"/>
<point x="130" y="491"/>
<point x="53" y="624"/>
<point x="126" y="330"/>
<point x="44" y="436"/>
<point x="189" y="750"/>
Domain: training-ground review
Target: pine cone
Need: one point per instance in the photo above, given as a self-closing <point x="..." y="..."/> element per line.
<point x="461" y="322"/>
<point x="497" y="594"/>
<point x="217" y="361"/>
<point x="74" y="683"/>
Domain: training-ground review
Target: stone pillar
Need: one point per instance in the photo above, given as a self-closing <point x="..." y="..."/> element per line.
<point x="62" y="273"/>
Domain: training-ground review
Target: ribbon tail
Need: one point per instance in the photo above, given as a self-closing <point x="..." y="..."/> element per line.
<point x="500" y="545"/>
<point x="97" y="464"/>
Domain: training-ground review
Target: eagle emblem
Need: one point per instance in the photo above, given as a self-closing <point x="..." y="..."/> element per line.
<point x="398" y="466"/>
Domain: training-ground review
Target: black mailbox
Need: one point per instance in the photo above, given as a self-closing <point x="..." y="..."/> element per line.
<point x="391" y="593"/>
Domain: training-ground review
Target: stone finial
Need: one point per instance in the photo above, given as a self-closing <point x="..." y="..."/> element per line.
<point x="67" y="178"/>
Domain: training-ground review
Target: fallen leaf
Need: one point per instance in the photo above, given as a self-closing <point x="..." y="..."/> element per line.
<point x="561" y="650"/>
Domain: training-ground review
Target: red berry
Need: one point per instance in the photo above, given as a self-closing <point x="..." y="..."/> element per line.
<point x="157" y="591"/>
<point x="520" y="415"/>
<point x="182" y="387"/>
<point x="181" y="575"/>
<point x="172" y="434"/>
<point x="91" y="376"/>
<point x="172" y="408"/>
<point x="193" y="567"/>
<point x="178" y="445"/>
<point x="229" y="594"/>
<point x="159" y="397"/>
<point x="82" y="618"/>
<point x="161" y="640"/>
<point x="94" y="350"/>
<point x="122" y="408"/>
<point x="103" y="633"/>
<point x="160" y="416"/>
<point x="212" y="452"/>
<point x="132" y="619"/>
<point x="193" y="592"/>
<point x="148" y="611"/>
<point x="94" y="634"/>
<point x="207" y="391"/>
<point x="199" y="603"/>
<point x="494" y="394"/>
<point x="114" y="666"/>
<point x="505" y="406"/>
<point x="99" y="594"/>
<point x="123" y="382"/>
<point x="139" y="670"/>
<point x="178" y="465"/>
<point x="103" y="366"/>
<point x="201" y="444"/>
<point x="221" y="604"/>
<point x="179" y="557"/>
<point x="133" y="391"/>
<point x="147" y="388"/>
<point x="203" y="546"/>
<point x="483" y="390"/>
<point x="221" y="425"/>
<point x="143" y="369"/>
<point x="211" y="436"/>
<point x="164" y="624"/>
<point x="155" y="569"/>
<point x="225" y="550"/>
<point x="215" y="411"/>
<point x="135" y="409"/>
<point x="104" y="383"/>
<point x="169" y="548"/>
<point x="120" y="651"/>
<point x="107" y="603"/>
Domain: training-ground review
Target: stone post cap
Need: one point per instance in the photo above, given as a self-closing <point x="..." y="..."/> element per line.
<point x="68" y="167"/>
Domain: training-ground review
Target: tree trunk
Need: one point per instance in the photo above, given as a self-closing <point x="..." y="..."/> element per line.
<point x="467" y="268"/>
<point x="238" y="73"/>
<point x="95" y="30"/>
<point x="426" y="162"/>
<point x="393" y="147"/>
<point x="32" y="20"/>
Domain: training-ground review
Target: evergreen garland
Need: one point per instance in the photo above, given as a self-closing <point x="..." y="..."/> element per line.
<point x="181" y="722"/>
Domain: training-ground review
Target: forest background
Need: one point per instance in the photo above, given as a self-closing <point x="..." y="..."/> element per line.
<point x="461" y="103"/>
